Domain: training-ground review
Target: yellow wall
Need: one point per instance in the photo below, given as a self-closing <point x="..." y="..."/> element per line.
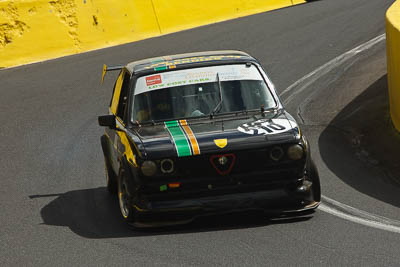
<point x="35" y="30"/>
<point x="393" y="55"/>
<point x="178" y="15"/>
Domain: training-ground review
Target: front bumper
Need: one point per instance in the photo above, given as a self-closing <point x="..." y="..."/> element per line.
<point x="277" y="201"/>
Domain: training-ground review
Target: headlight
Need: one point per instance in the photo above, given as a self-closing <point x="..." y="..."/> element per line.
<point x="295" y="152"/>
<point x="167" y="166"/>
<point x="149" y="168"/>
<point x="276" y="153"/>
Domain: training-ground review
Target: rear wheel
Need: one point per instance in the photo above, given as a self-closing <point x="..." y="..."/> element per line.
<point x="124" y="197"/>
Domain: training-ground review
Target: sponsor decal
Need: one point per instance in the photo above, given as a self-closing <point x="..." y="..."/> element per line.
<point x="184" y="140"/>
<point x="266" y="127"/>
<point x="221" y="143"/>
<point x="195" y="76"/>
<point x="189" y="60"/>
<point x="152" y="80"/>
<point x="160" y="68"/>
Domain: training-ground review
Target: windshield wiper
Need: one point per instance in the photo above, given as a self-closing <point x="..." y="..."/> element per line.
<point x="220" y="96"/>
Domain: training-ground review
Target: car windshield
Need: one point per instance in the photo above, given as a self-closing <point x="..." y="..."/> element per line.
<point x="196" y="92"/>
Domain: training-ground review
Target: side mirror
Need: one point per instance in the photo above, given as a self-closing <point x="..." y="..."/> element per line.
<point x="107" y="120"/>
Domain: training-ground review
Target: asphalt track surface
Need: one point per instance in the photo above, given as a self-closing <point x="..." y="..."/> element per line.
<point x="54" y="206"/>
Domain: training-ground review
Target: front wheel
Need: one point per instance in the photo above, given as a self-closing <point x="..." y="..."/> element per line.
<point x="111" y="180"/>
<point x="314" y="178"/>
<point x="124" y="197"/>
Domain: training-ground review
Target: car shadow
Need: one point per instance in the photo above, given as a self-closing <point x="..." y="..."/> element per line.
<point x="94" y="213"/>
<point x="361" y="147"/>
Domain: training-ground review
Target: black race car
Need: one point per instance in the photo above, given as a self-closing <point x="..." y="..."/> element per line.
<point x="202" y="133"/>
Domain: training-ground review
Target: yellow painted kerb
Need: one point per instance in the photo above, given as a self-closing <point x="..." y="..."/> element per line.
<point x="393" y="61"/>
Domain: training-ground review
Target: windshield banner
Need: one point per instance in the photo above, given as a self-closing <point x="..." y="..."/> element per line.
<point x="196" y="76"/>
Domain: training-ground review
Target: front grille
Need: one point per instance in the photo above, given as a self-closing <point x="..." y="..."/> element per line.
<point x="247" y="161"/>
<point x="253" y="171"/>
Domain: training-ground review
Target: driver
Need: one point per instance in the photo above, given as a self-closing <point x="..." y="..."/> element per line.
<point x="160" y="106"/>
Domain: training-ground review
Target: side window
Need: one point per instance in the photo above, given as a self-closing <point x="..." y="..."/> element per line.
<point x="123" y="99"/>
<point x="120" y="95"/>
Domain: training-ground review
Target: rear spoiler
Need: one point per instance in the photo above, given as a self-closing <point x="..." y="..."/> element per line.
<point x="105" y="69"/>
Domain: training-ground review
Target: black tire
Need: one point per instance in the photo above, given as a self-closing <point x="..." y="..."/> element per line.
<point x="124" y="196"/>
<point x="316" y="185"/>
<point x="111" y="179"/>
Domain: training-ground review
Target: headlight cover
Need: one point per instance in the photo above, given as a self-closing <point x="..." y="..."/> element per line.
<point x="276" y="153"/>
<point x="167" y="166"/>
<point x="295" y="152"/>
<point x="149" y="168"/>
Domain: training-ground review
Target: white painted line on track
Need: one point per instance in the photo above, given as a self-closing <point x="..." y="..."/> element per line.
<point x="358" y="216"/>
<point x="329" y="205"/>
<point x="313" y="76"/>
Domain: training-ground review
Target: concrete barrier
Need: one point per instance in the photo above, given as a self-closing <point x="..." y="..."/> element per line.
<point x="393" y="61"/>
<point x="179" y="15"/>
<point x="35" y="30"/>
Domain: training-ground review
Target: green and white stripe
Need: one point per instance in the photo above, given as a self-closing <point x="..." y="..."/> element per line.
<point x="180" y="140"/>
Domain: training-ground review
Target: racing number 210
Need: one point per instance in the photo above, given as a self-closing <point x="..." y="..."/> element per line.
<point x="263" y="127"/>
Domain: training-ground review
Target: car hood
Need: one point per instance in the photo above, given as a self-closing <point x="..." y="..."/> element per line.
<point x="186" y="138"/>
